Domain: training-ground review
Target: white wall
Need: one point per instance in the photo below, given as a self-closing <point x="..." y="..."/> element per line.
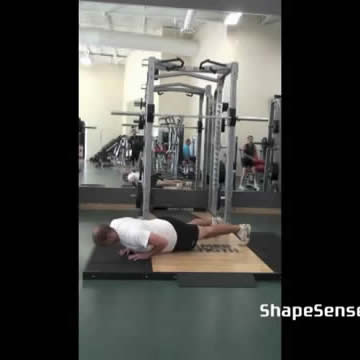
<point x="100" y="92"/>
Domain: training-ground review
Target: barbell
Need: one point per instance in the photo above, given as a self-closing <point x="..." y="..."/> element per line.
<point x="238" y="118"/>
<point x="162" y="126"/>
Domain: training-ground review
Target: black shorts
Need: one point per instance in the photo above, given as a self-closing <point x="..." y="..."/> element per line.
<point x="135" y="155"/>
<point x="187" y="234"/>
<point x="246" y="162"/>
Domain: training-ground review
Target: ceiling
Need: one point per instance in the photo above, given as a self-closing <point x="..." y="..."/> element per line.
<point x="246" y="6"/>
<point x="144" y="20"/>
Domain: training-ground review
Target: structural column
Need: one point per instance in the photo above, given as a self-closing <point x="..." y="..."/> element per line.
<point x="277" y="139"/>
<point x="229" y="179"/>
<point x="269" y="149"/>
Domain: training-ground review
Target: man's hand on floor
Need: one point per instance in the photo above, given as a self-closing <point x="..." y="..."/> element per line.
<point x="123" y="252"/>
<point x="139" y="256"/>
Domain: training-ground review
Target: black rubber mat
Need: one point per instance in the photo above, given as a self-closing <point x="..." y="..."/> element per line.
<point x="106" y="262"/>
<point x="268" y="247"/>
<point x="216" y="280"/>
<point x="106" y="255"/>
<point x="185" y="216"/>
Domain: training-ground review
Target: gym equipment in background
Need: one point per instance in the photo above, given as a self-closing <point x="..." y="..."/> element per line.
<point x="214" y="118"/>
<point x="82" y="132"/>
<point x="116" y="152"/>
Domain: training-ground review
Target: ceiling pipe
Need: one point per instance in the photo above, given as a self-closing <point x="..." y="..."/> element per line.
<point x="127" y="40"/>
<point x="188" y="22"/>
<point x="107" y="55"/>
<point x="270" y="19"/>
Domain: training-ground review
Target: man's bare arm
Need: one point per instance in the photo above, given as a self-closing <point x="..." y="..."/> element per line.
<point x="158" y="243"/>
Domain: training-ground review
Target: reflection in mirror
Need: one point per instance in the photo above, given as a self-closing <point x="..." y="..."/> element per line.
<point x="114" y="78"/>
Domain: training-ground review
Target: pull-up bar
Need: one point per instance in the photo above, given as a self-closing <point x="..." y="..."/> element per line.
<point x="181" y="85"/>
<point x="183" y="73"/>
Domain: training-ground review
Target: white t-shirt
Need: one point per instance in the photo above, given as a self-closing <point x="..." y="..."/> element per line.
<point x="134" y="233"/>
<point x="134" y="177"/>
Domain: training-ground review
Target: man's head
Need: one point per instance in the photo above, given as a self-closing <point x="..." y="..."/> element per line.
<point x="250" y="139"/>
<point x="188" y="142"/>
<point x="104" y="235"/>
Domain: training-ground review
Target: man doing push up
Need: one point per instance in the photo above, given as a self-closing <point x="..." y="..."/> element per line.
<point x="142" y="239"/>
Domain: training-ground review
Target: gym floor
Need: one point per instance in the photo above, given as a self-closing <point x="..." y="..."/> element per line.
<point x="158" y="320"/>
<point x="110" y="176"/>
<point x="107" y="176"/>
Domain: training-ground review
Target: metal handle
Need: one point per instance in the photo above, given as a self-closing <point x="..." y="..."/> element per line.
<point x="173" y="66"/>
<point x="210" y="62"/>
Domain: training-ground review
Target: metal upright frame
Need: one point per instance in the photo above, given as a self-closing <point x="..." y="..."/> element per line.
<point x="199" y="142"/>
<point x="269" y="149"/>
<point x="214" y="188"/>
<point x="207" y="137"/>
<point x="279" y="142"/>
<point x="149" y="118"/>
<point x="220" y="71"/>
<point x="277" y="138"/>
<point x="229" y="179"/>
<point x="273" y="151"/>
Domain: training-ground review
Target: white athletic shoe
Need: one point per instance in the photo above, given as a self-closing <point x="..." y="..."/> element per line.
<point x="241" y="188"/>
<point x="256" y="187"/>
<point x="244" y="233"/>
<point x="216" y="220"/>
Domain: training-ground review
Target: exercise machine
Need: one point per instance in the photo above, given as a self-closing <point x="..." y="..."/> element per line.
<point x="215" y="119"/>
<point x="158" y="69"/>
<point x="82" y="135"/>
<point x="116" y="152"/>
